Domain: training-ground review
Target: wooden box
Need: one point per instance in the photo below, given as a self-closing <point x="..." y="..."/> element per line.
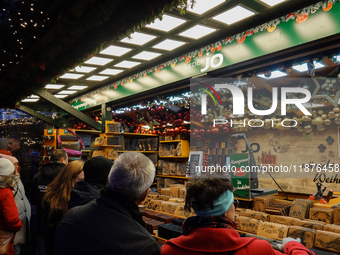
<point x="306" y="235"/>
<point x="181" y="169"/>
<point x="272" y="230"/>
<point x="289" y="221"/>
<point x="166" y="168"/>
<point x="174" y="191"/>
<point x="168" y="182"/>
<point x="112" y="154"/>
<point x="98" y="153"/>
<point x="255" y="215"/>
<point x="337" y="216"/>
<point x="327" y="241"/>
<point x="300" y="209"/>
<point x="181" y="212"/>
<point x="321" y="214"/>
<point x="247" y="224"/>
<point x="164" y="197"/>
<point x="165" y="191"/>
<point x="262" y="202"/>
<point x="182" y="193"/>
<point x="331" y="228"/>
<point x="173" y="168"/>
<point x="310" y="224"/>
<point x="160" y="184"/>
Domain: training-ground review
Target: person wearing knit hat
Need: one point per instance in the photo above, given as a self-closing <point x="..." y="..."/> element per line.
<point x="96" y="171"/>
<point x="9" y="215"/>
<point x="212" y="231"/>
<point x="22" y="204"/>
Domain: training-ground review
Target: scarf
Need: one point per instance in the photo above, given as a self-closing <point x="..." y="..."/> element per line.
<point x="207" y="222"/>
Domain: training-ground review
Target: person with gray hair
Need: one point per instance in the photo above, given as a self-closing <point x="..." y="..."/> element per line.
<point x="112" y="224"/>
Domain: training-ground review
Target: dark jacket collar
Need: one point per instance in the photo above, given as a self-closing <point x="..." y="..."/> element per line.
<point x="111" y="198"/>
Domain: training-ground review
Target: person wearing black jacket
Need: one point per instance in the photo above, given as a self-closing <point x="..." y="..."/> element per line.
<point x="112" y="224"/>
<point x="41" y="180"/>
<point x="25" y="162"/>
<point x="96" y="172"/>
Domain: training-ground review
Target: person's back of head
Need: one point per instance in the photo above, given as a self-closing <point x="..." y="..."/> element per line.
<point x="6" y="172"/>
<point x="59" y="156"/>
<point x="131" y="175"/>
<point x="209" y="196"/>
<point x="96" y="170"/>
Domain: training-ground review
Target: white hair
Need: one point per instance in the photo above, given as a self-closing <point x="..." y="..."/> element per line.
<point x="131" y="175"/>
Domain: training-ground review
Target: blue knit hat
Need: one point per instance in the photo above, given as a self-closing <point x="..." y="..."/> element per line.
<point x="221" y="205"/>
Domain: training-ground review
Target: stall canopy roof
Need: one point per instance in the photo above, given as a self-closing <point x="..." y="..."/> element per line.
<point x="84" y="45"/>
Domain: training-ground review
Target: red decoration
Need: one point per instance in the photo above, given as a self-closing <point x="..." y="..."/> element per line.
<point x="242" y="39"/>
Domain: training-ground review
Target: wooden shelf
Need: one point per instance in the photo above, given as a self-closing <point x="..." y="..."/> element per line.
<point x="174" y="157"/>
<point x="109" y="146"/>
<point x="159" y="239"/>
<point x="86" y="151"/>
<point x="173" y="176"/>
<point x="129" y="134"/>
<point x="171" y="141"/>
<point x="87" y="131"/>
<point x="142" y="151"/>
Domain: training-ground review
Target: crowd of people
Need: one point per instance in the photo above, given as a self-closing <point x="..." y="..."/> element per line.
<point x="91" y="207"/>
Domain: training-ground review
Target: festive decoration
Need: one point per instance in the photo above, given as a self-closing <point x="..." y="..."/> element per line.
<point x="240" y="38"/>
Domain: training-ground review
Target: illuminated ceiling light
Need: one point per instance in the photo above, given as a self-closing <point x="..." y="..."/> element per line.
<point x="98" y="61"/>
<point x="138" y="38"/>
<point x="166" y="24"/>
<point x="30" y="100"/>
<point x="54" y="86"/>
<point x="197" y="32"/>
<point x="127" y="64"/>
<point x="274" y="74"/>
<point x="233" y="15"/>
<point x="272" y="2"/>
<point x="303" y="67"/>
<point x="168" y="44"/>
<point x="337" y="58"/>
<point x="33" y="96"/>
<point x="202" y="6"/>
<point x="84" y="69"/>
<point x="97" y="78"/>
<point x="115" y="51"/>
<point x="68" y="92"/>
<point x="147" y="55"/>
<point x="60" y="96"/>
<point x="77" y="87"/>
<point x="71" y="76"/>
<point x="110" y="71"/>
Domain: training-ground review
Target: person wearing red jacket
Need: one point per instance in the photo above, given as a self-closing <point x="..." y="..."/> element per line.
<point x="9" y="215"/>
<point x="212" y="231"/>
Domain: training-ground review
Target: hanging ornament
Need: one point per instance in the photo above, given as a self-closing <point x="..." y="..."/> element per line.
<point x="327" y="122"/>
<point x="271" y="28"/>
<point x="308" y="129"/>
<point x="241" y="40"/>
<point x="324" y="116"/>
<point x="320" y="127"/>
<point x="336" y="109"/>
<point x="318" y="121"/>
<point x="331" y="115"/>
<point x="320" y="112"/>
<point x="302" y="17"/>
<point x="328" y="7"/>
<point x="337" y="121"/>
<point x="299" y="129"/>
